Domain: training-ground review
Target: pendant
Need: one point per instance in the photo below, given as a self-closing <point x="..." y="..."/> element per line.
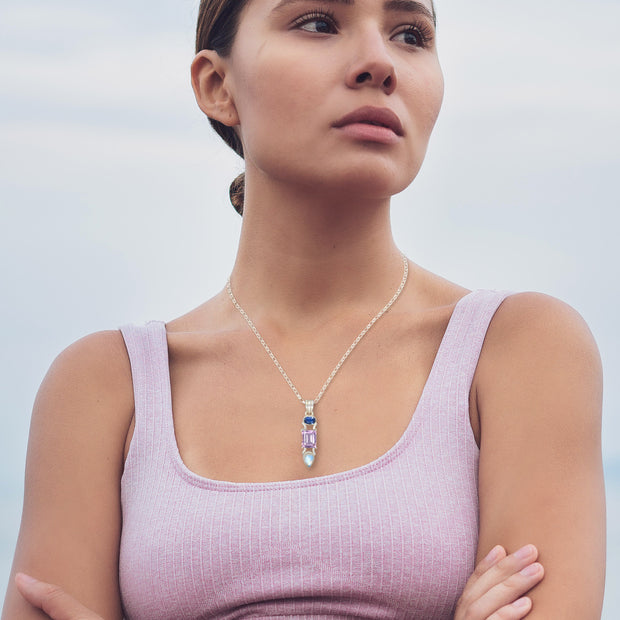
<point x="308" y="434"/>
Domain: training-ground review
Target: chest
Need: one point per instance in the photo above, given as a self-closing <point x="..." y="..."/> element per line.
<point x="237" y="419"/>
<point x="396" y="542"/>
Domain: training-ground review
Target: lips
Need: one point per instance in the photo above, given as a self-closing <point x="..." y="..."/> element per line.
<point x="369" y="115"/>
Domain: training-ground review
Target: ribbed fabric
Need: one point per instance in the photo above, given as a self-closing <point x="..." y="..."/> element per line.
<point x="395" y="538"/>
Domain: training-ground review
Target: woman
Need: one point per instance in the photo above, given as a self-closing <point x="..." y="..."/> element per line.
<point x="455" y="426"/>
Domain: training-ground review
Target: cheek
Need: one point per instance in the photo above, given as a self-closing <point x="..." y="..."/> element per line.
<point x="438" y="92"/>
<point x="428" y="97"/>
<point x="273" y="90"/>
<point x="277" y="102"/>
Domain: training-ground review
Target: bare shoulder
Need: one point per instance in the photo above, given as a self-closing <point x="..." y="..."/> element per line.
<point x="541" y="347"/>
<point x="73" y="470"/>
<point x="525" y="318"/>
<point x="87" y="393"/>
<point x="97" y="365"/>
<point x="538" y="392"/>
<point x="88" y="387"/>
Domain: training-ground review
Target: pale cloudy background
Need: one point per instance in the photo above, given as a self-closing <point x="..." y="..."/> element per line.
<point x="113" y="191"/>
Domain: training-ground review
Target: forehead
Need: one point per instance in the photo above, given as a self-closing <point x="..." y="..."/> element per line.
<point x="404" y="5"/>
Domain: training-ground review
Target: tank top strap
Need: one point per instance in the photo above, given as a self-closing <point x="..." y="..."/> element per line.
<point x="444" y="406"/>
<point x="467" y="329"/>
<point x="148" y="354"/>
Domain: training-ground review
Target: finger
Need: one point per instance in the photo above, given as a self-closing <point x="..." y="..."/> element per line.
<point x="494" y="556"/>
<point x="507" y="593"/>
<point x="502" y="570"/>
<point x="53" y="600"/>
<point x="468" y="595"/>
<point x="515" y="611"/>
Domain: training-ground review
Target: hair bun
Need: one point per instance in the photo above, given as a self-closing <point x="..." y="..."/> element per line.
<point x="237" y="193"/>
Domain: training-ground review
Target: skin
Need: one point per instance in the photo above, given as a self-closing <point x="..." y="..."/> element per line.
<point x="316" y="260"/>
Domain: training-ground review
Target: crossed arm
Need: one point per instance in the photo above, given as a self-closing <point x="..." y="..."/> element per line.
<point x="536" y="395"/>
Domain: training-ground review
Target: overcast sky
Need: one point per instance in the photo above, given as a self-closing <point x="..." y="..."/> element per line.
<point x="113" y="190"/>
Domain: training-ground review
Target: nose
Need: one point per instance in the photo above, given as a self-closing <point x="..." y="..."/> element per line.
<point x="372" y="64"/>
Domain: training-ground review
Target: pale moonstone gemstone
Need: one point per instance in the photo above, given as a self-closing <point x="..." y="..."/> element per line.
<point x="308" y="459"/>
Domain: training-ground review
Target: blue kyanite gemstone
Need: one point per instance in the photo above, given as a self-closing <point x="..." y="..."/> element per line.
<point x="309" y="420"/>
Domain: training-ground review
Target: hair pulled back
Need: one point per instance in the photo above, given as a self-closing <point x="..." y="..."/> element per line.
<point x="218" y="21"/>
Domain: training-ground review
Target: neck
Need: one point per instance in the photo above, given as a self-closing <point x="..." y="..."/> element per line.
<point x="305" y="257"/>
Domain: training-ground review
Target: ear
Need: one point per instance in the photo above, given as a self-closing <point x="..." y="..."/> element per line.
<point x="211" y="88"/>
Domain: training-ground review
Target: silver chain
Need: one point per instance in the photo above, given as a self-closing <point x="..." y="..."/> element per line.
<point x="348" y="352"/>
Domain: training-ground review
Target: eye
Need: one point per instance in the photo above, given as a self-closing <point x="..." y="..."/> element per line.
<point x="316" y="22"/>
<point x="419" y="35"/>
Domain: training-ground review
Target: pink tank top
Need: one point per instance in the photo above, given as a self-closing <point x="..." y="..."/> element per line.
<point x="395" y="538"/>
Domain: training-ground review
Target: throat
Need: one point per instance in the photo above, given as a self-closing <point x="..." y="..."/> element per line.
<point x="307" y="292"/>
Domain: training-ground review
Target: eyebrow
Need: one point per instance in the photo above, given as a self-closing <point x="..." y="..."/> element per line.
<point x="410" y="6"/>
<point x="284" y="3"/>
<point x="407" y="6"/>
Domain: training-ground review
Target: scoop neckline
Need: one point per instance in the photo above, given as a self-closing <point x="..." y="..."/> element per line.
<point x="417" y="417"/>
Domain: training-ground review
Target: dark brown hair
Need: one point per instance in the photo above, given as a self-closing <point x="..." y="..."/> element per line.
<point x="218" y="21"/>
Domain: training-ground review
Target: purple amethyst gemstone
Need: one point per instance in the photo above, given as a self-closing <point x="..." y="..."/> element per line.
<point x="308" y="440"/>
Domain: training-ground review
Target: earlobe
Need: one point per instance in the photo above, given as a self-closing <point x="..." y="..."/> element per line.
<point x="211" y="89"/>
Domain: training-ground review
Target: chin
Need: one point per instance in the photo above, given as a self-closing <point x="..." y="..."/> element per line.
<point x="378" y="174"/>
<point x="373" y="176"/>
<point x="356" y="187"/>
<point x="376" y="181"/>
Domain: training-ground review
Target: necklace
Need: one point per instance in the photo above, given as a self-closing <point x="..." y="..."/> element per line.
<point x="309" y="424"/>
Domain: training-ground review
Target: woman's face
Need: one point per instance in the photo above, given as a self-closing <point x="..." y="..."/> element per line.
<point x="336" y="93"/>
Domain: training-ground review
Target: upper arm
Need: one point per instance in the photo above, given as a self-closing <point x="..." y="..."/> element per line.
<point x="538" y="391"/>
<point x="71" y="521"/>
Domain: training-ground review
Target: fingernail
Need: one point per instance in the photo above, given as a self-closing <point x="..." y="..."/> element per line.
<point x="26" y="579"/>
<point x="522" y="603"/>
<point x="531" y="570"/>
<point x="525" y="552"/>
<point x="493" y="554"/>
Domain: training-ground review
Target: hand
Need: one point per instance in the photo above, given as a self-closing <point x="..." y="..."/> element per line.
<point x="52" y="600"/>
<point x="495" y="589"/>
